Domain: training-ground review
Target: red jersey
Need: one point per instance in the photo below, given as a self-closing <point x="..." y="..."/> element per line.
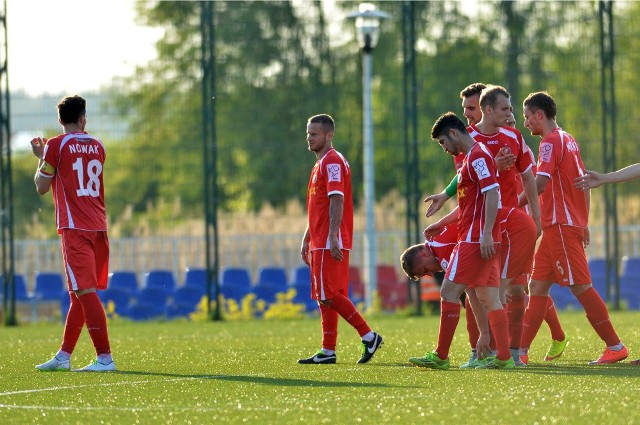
<point x="442" y="245"/>
<point x="510" y="139"/>
<point x="330" y="175"/>
<point x="559" y="159"/>
<point x="77" y="187"/>
<point x="476" y="176"/>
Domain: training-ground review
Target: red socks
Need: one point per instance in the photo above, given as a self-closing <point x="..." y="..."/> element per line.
<point x="515" y="312"/>
<point x="348" y="311"/>
<point x="533" y="317"/>
<point x="96" y="322"/>
<point x="472" y="326"/>
<point x="449" y="317"/>
<point x="598" y="316"/>
<point x="73" y="325"/>
<point x="499" y="323"/>
<point x="329" y="320"/>
<point x="551" y="317"/>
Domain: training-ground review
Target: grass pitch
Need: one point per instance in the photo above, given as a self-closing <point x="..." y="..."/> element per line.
<point x="246" y="372"/>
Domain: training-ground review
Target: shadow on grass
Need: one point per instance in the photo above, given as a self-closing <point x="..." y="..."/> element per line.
<point x="618" y="369"/>
<point x="264" y="380"/>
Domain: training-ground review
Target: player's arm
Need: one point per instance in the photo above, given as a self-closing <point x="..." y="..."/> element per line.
<point x="304" y="246"/>
<point x="336" y="208"/>
<point x="531" y="193"/>
<point x="592" y="179"/>
<point x="541" y="185"/>
<point x="45" y="171"/>
<point x="438" y="200"/>
<point x="587" y="234"/>
<point x="491" y="201"/>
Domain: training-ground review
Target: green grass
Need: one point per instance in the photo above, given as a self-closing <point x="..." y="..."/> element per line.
<point x="246" y="372"/>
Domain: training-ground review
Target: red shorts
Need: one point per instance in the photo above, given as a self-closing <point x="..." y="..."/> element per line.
<point x="329" y="277"/>
<point x="521" y="280"/>
<point x="519" y="234"/>
<point x="467" y="266"/>
<point x="561" y="257"/>
<point x="86" y="259"/>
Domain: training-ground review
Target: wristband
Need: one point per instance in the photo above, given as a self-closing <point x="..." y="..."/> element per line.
<point x="452" y="189"/>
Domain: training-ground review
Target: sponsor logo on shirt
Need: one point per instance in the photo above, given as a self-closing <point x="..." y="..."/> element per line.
<point x="482" y="170"/>
<point x="546" y="150"/>
<point x="460" y="193"/>
<point x="493" y="142"/>
<point x="444" y="264"/>
<point x="333" y="171"/>
<point x="572" y="147"/>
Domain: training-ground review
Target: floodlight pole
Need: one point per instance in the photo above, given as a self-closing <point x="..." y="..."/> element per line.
<point x="367" y="21"/>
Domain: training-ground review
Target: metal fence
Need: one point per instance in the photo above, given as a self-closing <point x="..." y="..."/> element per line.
<point x="252" y="252"/>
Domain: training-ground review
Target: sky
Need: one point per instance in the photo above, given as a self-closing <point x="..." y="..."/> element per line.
<point x="73" y="46"/>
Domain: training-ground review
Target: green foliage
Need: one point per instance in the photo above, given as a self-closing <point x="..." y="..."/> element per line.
<point x="278" y="62"/>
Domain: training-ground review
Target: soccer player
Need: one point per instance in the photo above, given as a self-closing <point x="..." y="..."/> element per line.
<point x="327" y="241"/>
<point x="475" y="261"/>
<point x="518" y="244"/>
<point x="71" y="165"/>
<point x="592" y="179"/>
<point x="561" y="256"/>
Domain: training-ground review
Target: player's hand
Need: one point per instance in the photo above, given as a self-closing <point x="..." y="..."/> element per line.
<point x="304" y="252"/>
<point x="589" y="180"/>
<point x="487" y="247"/>
<point x="433" y="230"/>
<point x="437" y="201"/>
<point x="37" y="146"/>
<point x="504" y="159"/>
<point x="483" y="345"/>
<point x="335" y="250"/>
<point x="586" y="237"/>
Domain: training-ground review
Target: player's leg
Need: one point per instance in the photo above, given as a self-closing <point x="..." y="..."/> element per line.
<point x="72" y="330"/>
<point x="450" y="293"/>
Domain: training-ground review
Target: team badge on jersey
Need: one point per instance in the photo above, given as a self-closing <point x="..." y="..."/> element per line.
<point x="546" y="149"/>
<point x="333" y="173"/>
<point x="482" y="170"/>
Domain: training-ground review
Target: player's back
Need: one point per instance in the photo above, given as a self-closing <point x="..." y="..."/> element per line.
<point x="77" y="184"/>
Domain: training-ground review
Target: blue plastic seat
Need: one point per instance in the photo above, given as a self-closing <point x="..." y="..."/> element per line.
<point x="562" y="297"/>
<point x="155" y="297"/>
<point x="301" y="274"/>
<point x="185" y="301"/>
<point x="266" y="292"/>
<point x="161" y="279"/>
<point x="49" y="286"/>
<point x="273" y="276"/>
<point x="303" y="296"/>
<point x="121" y="298"/>
<point x="141" y="312"/>
<point x="126" y="280"/>
<point x="197" y="278"/>
<point x="236" y="283"/>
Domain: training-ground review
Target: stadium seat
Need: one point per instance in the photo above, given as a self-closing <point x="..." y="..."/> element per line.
<point x="196" y="278"/>
<point x="630" y="282"/>
<point x="303" y="296"/>
<point x="236" y="283"/>
<point x="120" y="298"/>
<point x="49" y="287"/>
<point x="631" y="266"/>
<point x="274" y="276"/>
<point x="356" y="285"/>
<point x="301" y="274"/>
<point x="563" y="298"/>
<point x="161" y="279"/>
<point x="150" y="303"/>
<point x="598" y="271"/>
<point x="393" y="293"/>
<point x="126" y="280"/>
<point x="266" y="292"/>
<point x="64" y="305"/>
<point x="185" y="301"/>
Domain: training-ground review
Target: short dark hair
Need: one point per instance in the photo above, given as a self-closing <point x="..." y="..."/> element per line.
<point x="543" y="101"/>
<point x="489" y="95"/>
<point x="71" y="108"/>
<point x="408" y="260"/>
<point x="328" y="124"/>
<point x="446" y="122"/>
<point x="472" y="90"/>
